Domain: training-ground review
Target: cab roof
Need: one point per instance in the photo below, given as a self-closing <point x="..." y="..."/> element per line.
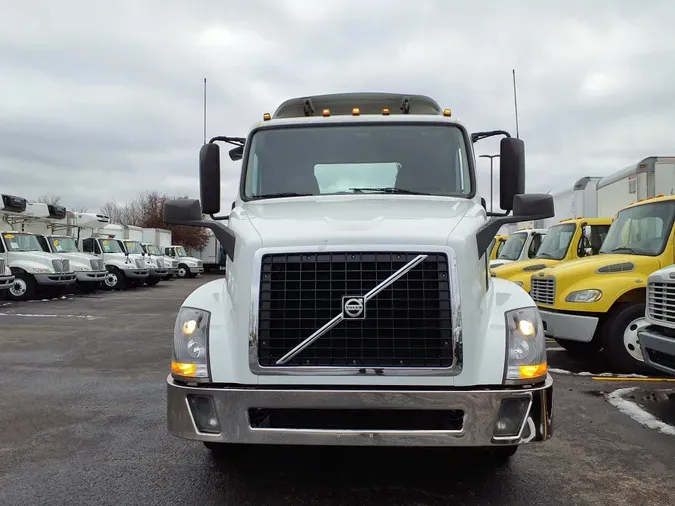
<point x="651" y="200"/>
<point x="590" y="221"/>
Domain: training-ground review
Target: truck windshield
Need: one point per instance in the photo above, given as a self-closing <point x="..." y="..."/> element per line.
<point x="556" y="242"/>
<point x="641" y="230"/>
<point x="110" y="246"/>
<point x="63" y="244"/>
<point x="21" y="242"/>
<point x="358" y="158"/>
<point x="180" y="251"/>
<point x="133" y="247"/>
<point x="153" y="250"/>
<point x="513" y="246"/>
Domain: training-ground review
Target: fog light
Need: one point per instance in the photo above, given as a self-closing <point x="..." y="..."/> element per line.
<point x="512" y="412"/>
<point x="204" y="413"/>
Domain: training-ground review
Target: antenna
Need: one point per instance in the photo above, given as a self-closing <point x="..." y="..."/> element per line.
<point x="205" y="110"/>
<point x="515" y="102"/>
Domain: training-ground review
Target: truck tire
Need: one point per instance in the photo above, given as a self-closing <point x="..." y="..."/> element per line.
<point x="502" y="454"/>
<point x="619" y="338"/>
<point x="152" y="281"/>
<point x="115" y="280"/>
<point x="579" y="349"/>
<point x="183" y="271"/>
<point x="229" y="450"/>
<point x="24" y="287"/>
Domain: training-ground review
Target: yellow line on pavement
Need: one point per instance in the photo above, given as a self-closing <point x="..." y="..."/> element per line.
<point x="629" y="378"/>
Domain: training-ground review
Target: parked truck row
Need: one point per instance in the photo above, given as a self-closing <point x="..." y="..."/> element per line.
<point x="47" y="248"/>
<point x="601" y="277"/>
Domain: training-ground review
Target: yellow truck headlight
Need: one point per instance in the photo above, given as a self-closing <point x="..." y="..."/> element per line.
<point x="190" y="344"/>
<point x="584" y="296"/>
<point x="526" y="351"/>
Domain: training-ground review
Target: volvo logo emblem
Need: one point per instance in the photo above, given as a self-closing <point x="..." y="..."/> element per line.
<point x="354" y="308"/>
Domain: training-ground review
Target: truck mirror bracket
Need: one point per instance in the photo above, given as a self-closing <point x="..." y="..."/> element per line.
<point x="188" y="212"/>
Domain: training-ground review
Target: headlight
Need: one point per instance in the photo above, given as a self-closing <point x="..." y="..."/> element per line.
<point x="584" y="296"/>
<point x="190" y="344"/>
<point x="526" y="358"/>
<point x="42" y="271"/>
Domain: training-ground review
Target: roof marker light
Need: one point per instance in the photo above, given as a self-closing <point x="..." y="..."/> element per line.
<point x="326" y="112"/>
<point x="385" y="111"/>
<point x="356" y="111"/>
<point x="447" y="112"/>
<point x="267" y="116"/>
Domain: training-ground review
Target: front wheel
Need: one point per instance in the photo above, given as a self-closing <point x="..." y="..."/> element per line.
<point x="620" y="338"/>
<point x="183" y="271"/>
<point x="115" y="280"/>
<point x="24" y="287"/>
<point x="152" y="281"/>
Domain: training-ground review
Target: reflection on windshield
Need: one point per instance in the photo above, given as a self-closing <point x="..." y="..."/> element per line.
<point x="513" y="246"/>
<point x="63" y="244"/>
<point x="133" y="247"/>
<point x="491" y="246"/>
<point x="180" y="251"/>
<point x="641" y="230"/>
<point x="556" y="242"/>
<point x="110" y="246"/>
<point x="21" y="242"/>
<point x="153" y="250"/>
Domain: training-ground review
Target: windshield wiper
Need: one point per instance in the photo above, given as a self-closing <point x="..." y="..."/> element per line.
<point x="280" y="195"/>
<point x="624" y="248"/>
<point x="543" y="254"/>
<point x="389" y="190"/>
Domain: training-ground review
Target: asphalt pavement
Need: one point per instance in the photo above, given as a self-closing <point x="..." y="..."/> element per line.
<point x="83" y="421"/>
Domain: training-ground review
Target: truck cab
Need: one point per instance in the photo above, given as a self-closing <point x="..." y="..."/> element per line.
<point x="520" y="245"/>
<point x="167" y="263"/>
<point x="568" y="240"/>
<point x="497" y="245"/>
<point x="187" y="266"/>
<point x="598" y="303"/>
<point x="357" y="306"/>
<point x="33" y="269"/>
<point x="154" y="264"/>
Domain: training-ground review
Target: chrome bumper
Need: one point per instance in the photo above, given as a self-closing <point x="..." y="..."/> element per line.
<point x="55" y="279"/>
<point x="479" y="414"/>
<point x="656" y="346"/>
<point x="196" y="270"/>
<point x="6" y="282"/>
<point x="568" y="326"/>
<point x="91" y="277"/>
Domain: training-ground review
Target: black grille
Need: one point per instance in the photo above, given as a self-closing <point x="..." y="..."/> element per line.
<point x="407" y="325"/>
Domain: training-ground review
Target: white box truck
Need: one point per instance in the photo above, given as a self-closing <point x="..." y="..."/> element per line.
<point x="34" y="270"/>
<point x="357" y="308"/>
<point x="154" y="242"/>
<point x="133" y="244"/>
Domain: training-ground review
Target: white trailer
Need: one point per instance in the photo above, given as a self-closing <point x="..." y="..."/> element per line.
<point x="210" y="255"/>
<point x="578" y="201"/>
<point x="647" y="178"/>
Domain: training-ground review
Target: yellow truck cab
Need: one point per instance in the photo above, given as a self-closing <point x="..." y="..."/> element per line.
<point x="569" y="239"/>
<point x="496" y="246"/>
<point x="598" y="302"/>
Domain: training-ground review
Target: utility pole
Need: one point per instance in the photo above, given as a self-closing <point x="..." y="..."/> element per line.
<point x="491" y="157"/>
<point x="205" y="110"/>
<point x="515" y="103"/>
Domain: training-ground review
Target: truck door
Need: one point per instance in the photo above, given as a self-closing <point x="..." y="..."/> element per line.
<point x="534" y="244"/>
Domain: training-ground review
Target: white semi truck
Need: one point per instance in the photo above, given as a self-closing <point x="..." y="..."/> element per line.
<point x="154" y="242"/>
<point x="357" y="306"/>
<point x="49" y="220"/>
<point x="657" y="337"/>
<point x="98" y="237"/>
<point x="187" y="266"/>
<point x="133" y="238"/>
<point x="34" y="270"/>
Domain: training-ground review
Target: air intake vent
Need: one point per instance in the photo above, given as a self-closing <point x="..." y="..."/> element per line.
<point x="13" y="204"/>
<point x="614" y="268"/>
<point x="537" y="267"/>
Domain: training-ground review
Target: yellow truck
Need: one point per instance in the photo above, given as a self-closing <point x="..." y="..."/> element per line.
<point x="496" y="246"/>
<point x="598" y="303"/>
<point x="569" y="239"/>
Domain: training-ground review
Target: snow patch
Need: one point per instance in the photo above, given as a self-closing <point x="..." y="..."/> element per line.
<point x="28" y="315"/>
<point x="555" y="348"/>
<point x="600" y="374"/>
<point x="559" y="371"/>
<point x="636" y="412"/>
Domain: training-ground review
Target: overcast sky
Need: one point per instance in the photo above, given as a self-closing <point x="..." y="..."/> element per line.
<point x="99" y="100"/>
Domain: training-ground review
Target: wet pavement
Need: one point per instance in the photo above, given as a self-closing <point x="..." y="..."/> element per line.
<point x="82" y="411"/>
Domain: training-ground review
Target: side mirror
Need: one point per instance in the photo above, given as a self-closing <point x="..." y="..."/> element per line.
<point x="533" y="206"/>
<point x="209" y="178"/>
<point x="511" y="171"/>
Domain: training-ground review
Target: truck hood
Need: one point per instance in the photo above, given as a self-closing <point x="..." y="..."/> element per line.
<point x="373" y="219"/>
<point x="33" y="259"/>
<point x="570" y="272"/>
<point x="511" y="268"/>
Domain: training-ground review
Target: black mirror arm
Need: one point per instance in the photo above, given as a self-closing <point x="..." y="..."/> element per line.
<point x="224" y="235"/>
<point x="219" y="218"/>
<point x="498" y="215"/>
<point x="477" y="136"/>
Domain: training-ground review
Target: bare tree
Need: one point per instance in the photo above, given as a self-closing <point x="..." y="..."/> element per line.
<point x="146" y="210"/>
<point x="51" y="200"/>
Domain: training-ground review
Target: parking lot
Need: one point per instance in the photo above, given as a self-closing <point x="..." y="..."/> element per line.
<point x="82" y="409"/>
